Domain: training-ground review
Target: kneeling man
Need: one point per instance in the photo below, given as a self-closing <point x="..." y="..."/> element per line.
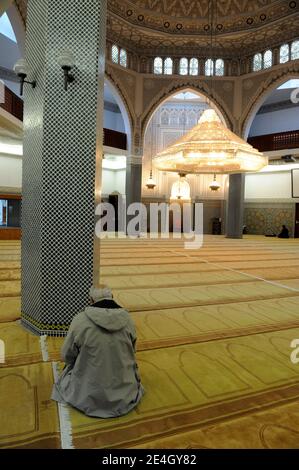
<point x="101" y="375"/>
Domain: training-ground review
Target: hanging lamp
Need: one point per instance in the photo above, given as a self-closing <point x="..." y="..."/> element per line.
<point x="210" y="147"/>
<point x="180" y="190"/>
<point x="214" y="186"/>
<point x="150" y="183"/>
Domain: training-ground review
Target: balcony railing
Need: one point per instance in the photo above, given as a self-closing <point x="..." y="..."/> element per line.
<point x="278" y="141"/>
<point x="12" y="104"/>
<point x="15" y="106"/>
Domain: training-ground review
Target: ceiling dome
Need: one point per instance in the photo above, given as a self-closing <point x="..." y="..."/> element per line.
<point x="174" y="26"/>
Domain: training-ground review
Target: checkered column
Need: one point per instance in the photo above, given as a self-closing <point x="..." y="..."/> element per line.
<point x="62" y="148"/>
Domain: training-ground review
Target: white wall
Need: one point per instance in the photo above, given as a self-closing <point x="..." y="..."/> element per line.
<point x="268" y="186"/>
<point x="113" y="180"/>
<point x="277" y="121"/>
<point x="10" y="172"/>
<point x="114" y="121"/>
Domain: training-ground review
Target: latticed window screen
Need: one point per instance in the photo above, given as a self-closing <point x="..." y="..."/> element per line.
<point x="165" y="118"/>
<point x="168" y="66"/>
<point x="295" y="50"/>
<point x="123" y="59"/>
<point x="219" y="67"/>
<point x="209" y="67"/>
<point x="257" y="62"/>
<point x="268" y="59"/>
<point x="158" y="65"/>
<point x="184" y="66"/>
<point x="284" y="54"/>
<point x="115" y="54"/>
<point x="193" y="66"/>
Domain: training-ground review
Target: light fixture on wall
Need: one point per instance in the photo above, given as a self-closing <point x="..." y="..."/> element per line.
<point x="151" y="184"/>
<point x="214" y="186"/>
<point x="22" y="70"/>
<point x="181" y="190"/>
<point x="67" y="61"/>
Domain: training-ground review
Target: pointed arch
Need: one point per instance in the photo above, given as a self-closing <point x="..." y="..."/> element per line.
<point x="262" y="93"/>
<point x="200" y="89"/>
<point x="123" y="106"/>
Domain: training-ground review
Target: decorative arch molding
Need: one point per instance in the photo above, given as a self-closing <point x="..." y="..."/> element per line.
<point x="267" y="87"/>
<point x="125" y="104"/>
<point x="202" y="88"/>
<point x="18" y="26"/>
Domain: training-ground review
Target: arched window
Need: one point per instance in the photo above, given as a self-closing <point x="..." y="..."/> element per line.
<point x="257" y="62"/>
<point x="209" y="67"/>
<point x="284" y="54"/>
<point x="295" y="50"/>
<point x="193" y="66"/>
<point x="192" y="119"/>
<point x="184" y="66"/>
<point x="165" y="118"/>
<point x="219" y="67"/>
<point x="183" y="119"/>
<point x="268" y="59"/>
<point x="123" y="60"/>
<point x="158" y="65"/>
<point x="115" y="54"/>
<point x="168" y="66"/>
<point x="173" y="118"/>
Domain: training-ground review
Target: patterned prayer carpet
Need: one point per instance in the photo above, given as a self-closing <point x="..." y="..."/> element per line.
<point x="214" y="329"/>
<point x="28" y="417"/>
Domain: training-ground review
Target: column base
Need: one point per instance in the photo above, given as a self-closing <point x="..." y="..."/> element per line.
<point x="40" y="329"/>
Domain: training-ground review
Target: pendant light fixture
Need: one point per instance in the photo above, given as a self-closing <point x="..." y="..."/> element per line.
<point x="214" y="186"/>
<point x="210" y="147"/>
<point x="150" y="183"/>
<point x="180" y="190"/>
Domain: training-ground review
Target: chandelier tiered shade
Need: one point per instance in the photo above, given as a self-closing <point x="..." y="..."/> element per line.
<point x="210" y="148"/>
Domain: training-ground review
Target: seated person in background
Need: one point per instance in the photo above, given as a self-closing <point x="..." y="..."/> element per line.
<point x="101" y="376"/>
<point x="284" y="232"/>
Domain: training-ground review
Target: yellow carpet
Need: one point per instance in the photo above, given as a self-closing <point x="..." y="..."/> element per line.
<point x="28" y="417"/>
<point x="21" y="347"/>
<point x="10" y="308"/>
<point x="147" y="299"/>
<point x="276" y="428"/>
<point x="213" y="348"/>
<point x="199" y="384"/>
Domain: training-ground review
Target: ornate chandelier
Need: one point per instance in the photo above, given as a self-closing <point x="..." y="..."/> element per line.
<point x="210" y="148"/>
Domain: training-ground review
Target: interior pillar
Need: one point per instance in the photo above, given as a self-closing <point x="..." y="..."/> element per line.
<point x="235" y="206"/>
<point x="133" y="181"/>
<point x="62" y="148"/>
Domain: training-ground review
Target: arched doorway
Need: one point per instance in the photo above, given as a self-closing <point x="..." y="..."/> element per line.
<point x="273" y="128"/>
<point x="117" y="142"/>
<point x="171" y="119"/>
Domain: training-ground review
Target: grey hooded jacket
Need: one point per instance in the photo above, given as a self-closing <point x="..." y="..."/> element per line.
<point x="101" y="374"/>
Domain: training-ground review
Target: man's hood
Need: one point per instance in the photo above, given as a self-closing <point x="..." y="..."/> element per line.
<point x="110" y="319"/>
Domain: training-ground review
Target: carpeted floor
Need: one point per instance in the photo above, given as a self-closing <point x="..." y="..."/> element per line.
<point x="214" y="332"/>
